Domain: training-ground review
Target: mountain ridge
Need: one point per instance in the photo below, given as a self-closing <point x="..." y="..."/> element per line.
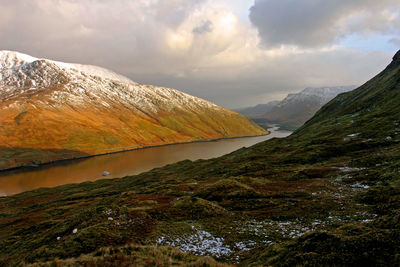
<point x="49" y="106"/>
<point x="12" y="59"/>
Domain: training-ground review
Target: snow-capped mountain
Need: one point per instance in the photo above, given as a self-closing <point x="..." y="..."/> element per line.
<point x="321" y="95"/>
<point x="52" y="110"/>
<point x="84" y="84"/>
<point x="295" y="109"/>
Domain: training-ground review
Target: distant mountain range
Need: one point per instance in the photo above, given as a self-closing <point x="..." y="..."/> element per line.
<point x="295" y="109"/>
<point x="53" y="110"/>
<point x="258" y="110"/>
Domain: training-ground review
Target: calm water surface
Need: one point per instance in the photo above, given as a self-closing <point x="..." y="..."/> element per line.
<point x="120" y="164"/>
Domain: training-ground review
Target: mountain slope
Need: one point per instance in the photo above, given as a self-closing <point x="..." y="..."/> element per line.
<point x="328" y="195"/>
<point x="359" y="130"/>
<point x="376" y="103"/>
<point x="296" y="109"/>
<point x="52" y="110"/>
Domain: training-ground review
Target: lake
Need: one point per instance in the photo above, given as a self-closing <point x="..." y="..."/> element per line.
<point x="120" y="164"/>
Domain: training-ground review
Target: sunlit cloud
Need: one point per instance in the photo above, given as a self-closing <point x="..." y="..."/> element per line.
<point x="209" y="48"/>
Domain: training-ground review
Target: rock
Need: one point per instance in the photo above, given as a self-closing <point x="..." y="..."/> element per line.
<point x="105" y="173"/>
<point x="32" y="164"/>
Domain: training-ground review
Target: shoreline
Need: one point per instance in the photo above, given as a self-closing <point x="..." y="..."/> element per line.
<point x="27" y="167"/>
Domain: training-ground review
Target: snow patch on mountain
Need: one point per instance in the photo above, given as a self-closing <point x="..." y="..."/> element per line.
<point x="75" y="84"/>
<point x="322" y="95"/>
<point x="13" y="60"/>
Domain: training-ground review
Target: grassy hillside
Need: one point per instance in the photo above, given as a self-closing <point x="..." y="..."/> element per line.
<point x="52" y="110"/>
<point x="327" y="195"/>
<point x="34" y="132"/>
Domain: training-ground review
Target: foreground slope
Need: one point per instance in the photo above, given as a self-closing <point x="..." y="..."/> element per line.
<point x="327" y="195"/>
<point x="52" y="110"/>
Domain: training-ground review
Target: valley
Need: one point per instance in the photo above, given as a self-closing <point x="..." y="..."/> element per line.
<point x="328" y="194"/>
<point x="199" y="133"/>
<point x="53" y="110"/>
<point x="120" y="164"/>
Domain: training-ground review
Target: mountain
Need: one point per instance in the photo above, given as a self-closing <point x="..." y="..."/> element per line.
<point x="52" y="110"/>
<point x="327" y="195"/>
<point x="296" y="109"/>
<point x="258" y="110"/>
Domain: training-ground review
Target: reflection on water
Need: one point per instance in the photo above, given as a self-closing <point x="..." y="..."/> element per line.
<point x="120" y="164"/>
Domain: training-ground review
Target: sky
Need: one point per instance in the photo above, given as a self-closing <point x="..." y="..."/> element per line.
<point x="235" y="53"/>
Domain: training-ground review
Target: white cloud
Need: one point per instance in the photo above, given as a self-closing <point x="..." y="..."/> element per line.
<point x="203" y="47"/>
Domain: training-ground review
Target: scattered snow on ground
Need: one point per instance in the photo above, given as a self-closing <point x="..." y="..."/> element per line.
<point x="199" y="242"/>
<point x="349" y="169"/>
<point x="360" y="186"/>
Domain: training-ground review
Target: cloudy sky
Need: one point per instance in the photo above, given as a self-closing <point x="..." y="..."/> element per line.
<point x="233" y="52"/>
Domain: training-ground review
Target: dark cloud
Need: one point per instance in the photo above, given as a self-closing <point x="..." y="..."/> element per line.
<point x="313" y="23"/>
<point x="204" y="28"/>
